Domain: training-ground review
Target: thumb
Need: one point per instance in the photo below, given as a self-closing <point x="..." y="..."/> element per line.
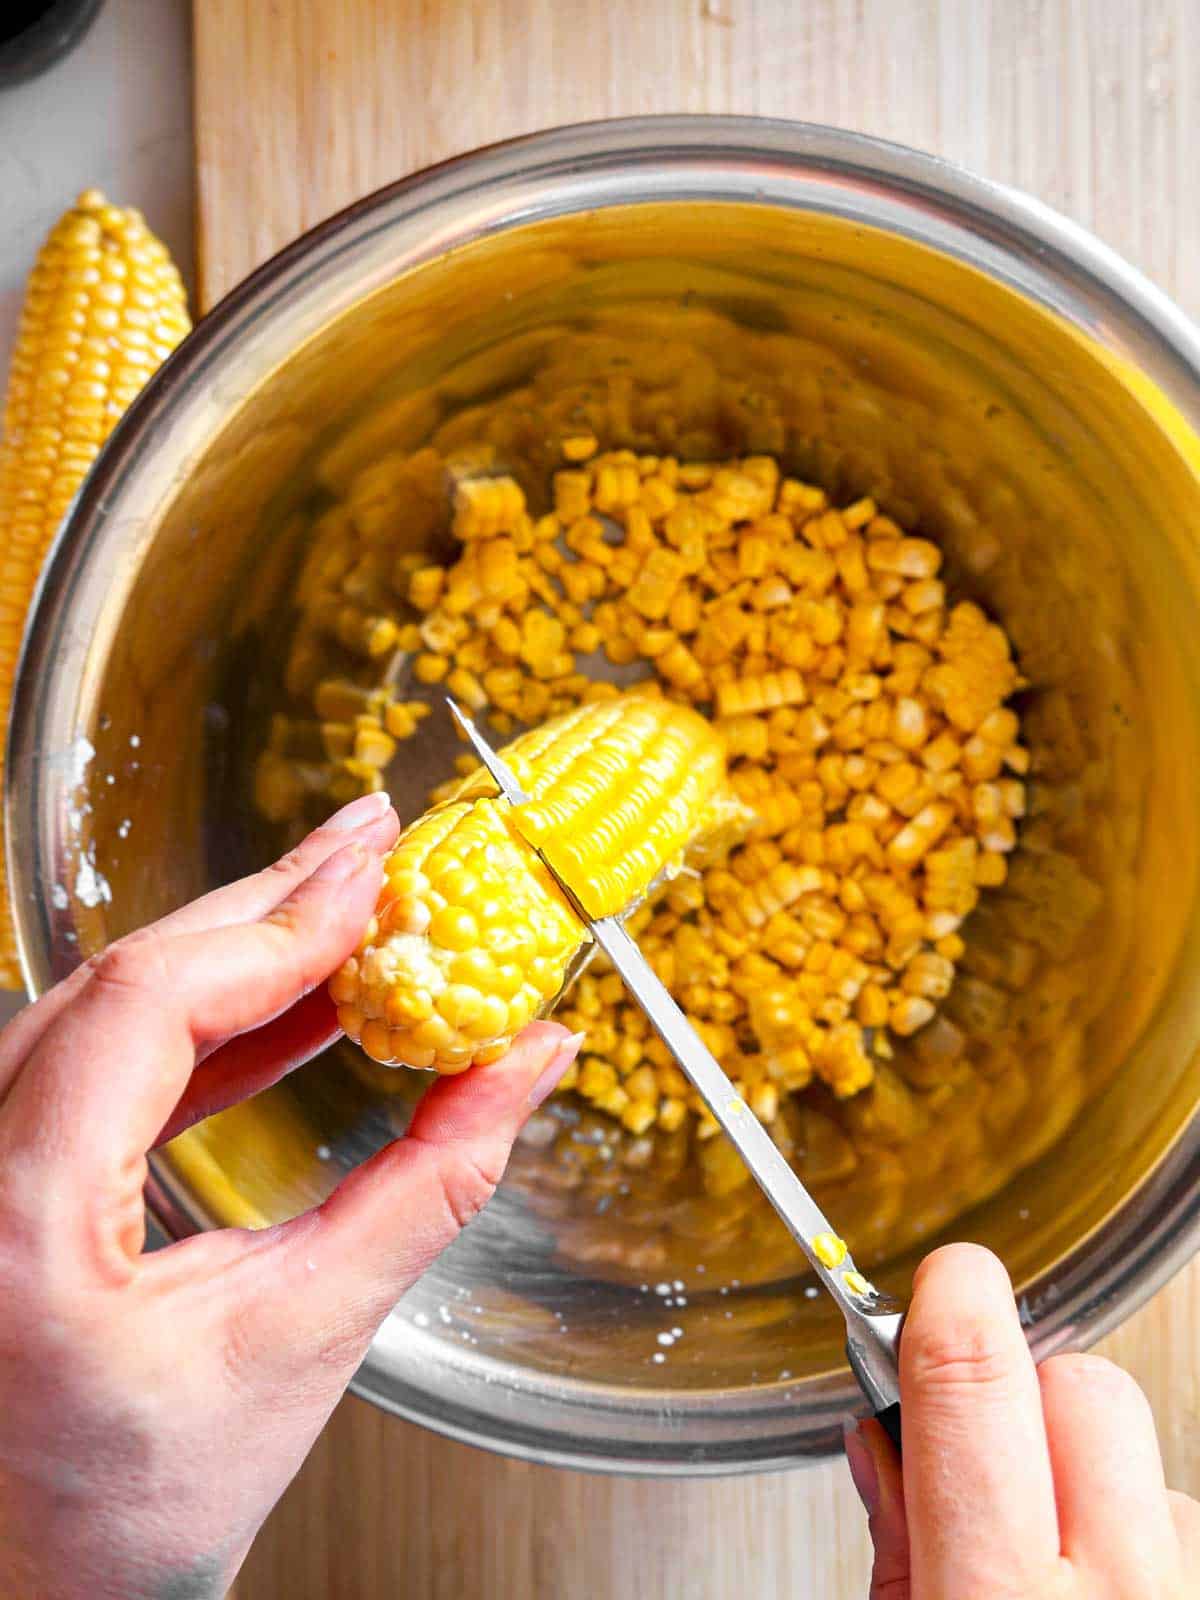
<point x="346" y="1263"/>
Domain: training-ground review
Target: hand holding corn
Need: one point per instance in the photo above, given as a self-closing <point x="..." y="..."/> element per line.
<point x="192" y="1380"/>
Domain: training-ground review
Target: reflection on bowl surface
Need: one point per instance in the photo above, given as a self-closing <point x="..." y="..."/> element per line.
<point x="626" y="1301"/>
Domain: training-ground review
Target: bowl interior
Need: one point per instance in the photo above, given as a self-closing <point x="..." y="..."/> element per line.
<point x="1057" y="481"/>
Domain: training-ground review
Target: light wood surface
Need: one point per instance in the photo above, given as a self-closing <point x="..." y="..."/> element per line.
<point x="304" y="105"/>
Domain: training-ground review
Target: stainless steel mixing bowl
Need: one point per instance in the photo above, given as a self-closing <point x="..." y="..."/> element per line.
<point x="978" y="363"/>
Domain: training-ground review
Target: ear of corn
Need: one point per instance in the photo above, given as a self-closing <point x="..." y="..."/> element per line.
<point x="104" y="308"/>
<point x="472" y="937"/>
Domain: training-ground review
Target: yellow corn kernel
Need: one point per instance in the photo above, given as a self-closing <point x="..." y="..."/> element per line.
<point x="907" y="558"/>
<point x="842" y="1061"/>
<point x="921" y="834"/>
<point x="572" y="495"/>
<point x="975" y="674"/>
<point x="502" y="684"/>
<point x="542" y="643"/>
<point x="1012" y="797"/>
<point x="671" y="1114"/>
<point x="771" y="593"/>
<point x="485" y="507"/>
<point x="753" y="555"/>
<point x="658" y="496"/>
<point x="909" y="1014"/>
<point x="950" y="878"/>
<point x="401" y="717"/>
<point x="679" y="667"/>
<point x="851" y="566"/>
<point x="928" y="975"/>
<point x="800" y="500"/>
<point x="615" y="1102"/>
<point x="506" y="636"/>
<point x="616" y="483"/>
<point x="991" y="869"/>
<point x="925" y="594"/>
<point x="655" y="586"/>
<point x="764" y="1101"/>
<point x="747" y="696"/>
<point x="596" y="1078"/>
<point x="425" y="587"/>
<point x="871" y="1007"/>
<point x="684" y="611"/>
<point x="860" y="513"/>
<point x="642" y="1084"/>
<point x="429" y="668"/>
<point x="579" y="446"/>
<point x="829" y="1250"/>
<point x="639" y="1115"/>
<point x="998" y="837"/>
<point x="942" y="754"/>
<point x="373" y="746"/>
<point x="654" y="642"/>
<point x="620" y="651"/>
<point x="910" y="724"/>
<point x="584" y="638"/>
<point x="466" y="687"/>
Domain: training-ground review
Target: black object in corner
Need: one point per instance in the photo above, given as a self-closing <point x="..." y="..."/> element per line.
<point x="34" y="34"/>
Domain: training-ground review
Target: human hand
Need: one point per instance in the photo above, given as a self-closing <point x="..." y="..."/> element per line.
<point x="1019" y="1482"/>
<point x="153" y="1407"/>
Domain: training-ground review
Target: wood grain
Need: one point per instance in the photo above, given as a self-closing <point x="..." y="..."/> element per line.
<point x="304" y="105"/>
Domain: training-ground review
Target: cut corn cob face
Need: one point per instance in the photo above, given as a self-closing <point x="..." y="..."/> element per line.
<point x="103" y="310"/>
<point x="472" y="937"/>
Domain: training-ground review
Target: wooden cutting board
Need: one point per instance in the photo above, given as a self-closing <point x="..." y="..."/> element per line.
<point x="304" y="105"/>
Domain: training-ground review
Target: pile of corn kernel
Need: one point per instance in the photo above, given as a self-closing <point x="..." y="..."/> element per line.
<point x="864" y="718"/>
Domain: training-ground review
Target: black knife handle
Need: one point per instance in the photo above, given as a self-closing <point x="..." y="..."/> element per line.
<point x="889" y="1421"/>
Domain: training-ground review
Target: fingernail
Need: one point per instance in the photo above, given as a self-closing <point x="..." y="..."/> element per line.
<point x="862" y="1466"/>
<point x="367" y="808"/>
<point x="342" y="864"/>
<point x="559" y="1062"/>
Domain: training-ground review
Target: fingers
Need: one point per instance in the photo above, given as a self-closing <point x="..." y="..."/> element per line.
<point x="251" y="1062"/>
<point x="369" y="819"/>
<point x="108" y="1072"/>
<point x="977" y="1479"/>
<point x="875" y="1469"/>
<point x="1114" y="1514"/>
<point x="340" y="1269"/>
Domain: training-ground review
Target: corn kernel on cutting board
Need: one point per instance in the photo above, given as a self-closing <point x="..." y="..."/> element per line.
<point x="304" y="105"/>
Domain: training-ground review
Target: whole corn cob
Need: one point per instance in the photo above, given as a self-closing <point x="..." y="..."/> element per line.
<point x="472" y="937"/>
<point x="104" y="308"/>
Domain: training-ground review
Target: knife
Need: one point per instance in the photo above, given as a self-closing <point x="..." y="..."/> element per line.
<point x="873" y="1320"/>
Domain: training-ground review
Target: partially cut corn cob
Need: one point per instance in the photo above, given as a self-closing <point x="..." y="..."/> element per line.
<point x="472" y="937"/>
<point x="104" y="308"/>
